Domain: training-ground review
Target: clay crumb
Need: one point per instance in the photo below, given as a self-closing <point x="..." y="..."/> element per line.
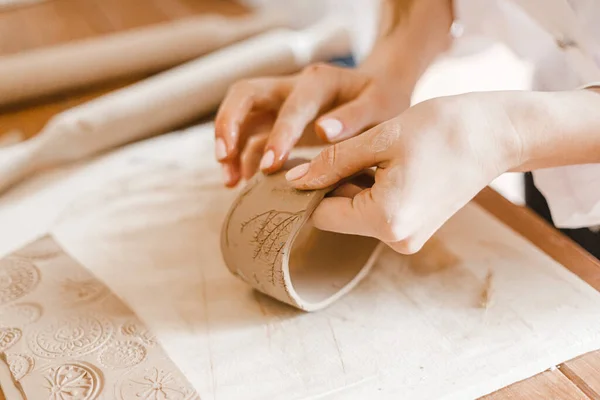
<point x="486" y="292"/>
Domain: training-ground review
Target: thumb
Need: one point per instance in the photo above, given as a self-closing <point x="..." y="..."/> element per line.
<point x="347" y="120"/>
<point x="358" y="215"/>
<point x="336" y="162"/>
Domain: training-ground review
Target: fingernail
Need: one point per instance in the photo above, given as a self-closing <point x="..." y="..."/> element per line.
<point x="226" y="174"/>
<point x="297" y="172"/>
<point x="267" y="160"/>
<point x="220" y="149"/>
<point x="332" y="127"/>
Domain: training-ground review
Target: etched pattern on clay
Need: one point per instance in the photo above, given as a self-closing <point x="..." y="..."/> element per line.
<point x="18" y="277"/>
<point x="154" y="384"/>
<point x="8" y="338"/>
<point x="271" y="231"/>
<point x="245" y="192"/>
<point x="20" y="365"/>
<point x="73" y="381"/>
<point x="71" y="336"/>
<point x="20" y="314"/>
<point x="122" y="354"/>
<point x="132" y="329"/>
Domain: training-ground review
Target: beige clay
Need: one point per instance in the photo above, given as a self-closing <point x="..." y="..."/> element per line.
<point x="267" y="241"/>
<point x="65" y="335"/>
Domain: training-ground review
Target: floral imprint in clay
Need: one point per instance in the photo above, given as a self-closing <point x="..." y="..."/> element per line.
<point x="60" y="337"/>
<point x="267" y="240"/>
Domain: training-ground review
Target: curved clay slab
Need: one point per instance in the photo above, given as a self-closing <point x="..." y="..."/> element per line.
<point x="268" y="242"/>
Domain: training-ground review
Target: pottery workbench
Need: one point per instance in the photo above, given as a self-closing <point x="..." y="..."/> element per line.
<point x="58" y="21"/>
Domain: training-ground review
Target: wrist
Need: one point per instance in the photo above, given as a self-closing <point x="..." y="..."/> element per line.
<point x="419" y="35"/>
<point x="556" y="128"/>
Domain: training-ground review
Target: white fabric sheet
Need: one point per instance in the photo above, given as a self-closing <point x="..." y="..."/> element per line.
<point x="146" y="220"/>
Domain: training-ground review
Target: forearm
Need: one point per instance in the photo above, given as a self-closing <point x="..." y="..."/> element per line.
<point x="558" y="128"/>
<point x="412" y="34"/>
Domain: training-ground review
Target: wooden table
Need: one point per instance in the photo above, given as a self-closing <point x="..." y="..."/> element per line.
<point x="58" y="21"/>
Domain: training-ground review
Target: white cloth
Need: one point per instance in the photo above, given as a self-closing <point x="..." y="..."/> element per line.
<point x="146" y="219"/>
<point x="533" y="29"/>
<point x="361" y="15"/>
<point x="562" y="38"/>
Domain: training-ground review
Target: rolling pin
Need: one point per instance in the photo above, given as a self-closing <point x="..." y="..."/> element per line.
<point x="168" y="100"/>
<point x="29" y="75"/>
<point x="9" y="4"/>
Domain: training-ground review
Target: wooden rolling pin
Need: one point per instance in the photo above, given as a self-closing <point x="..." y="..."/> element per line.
<point x="8" y="4"/>
<point x="37" y="73"/>
<point x="169" y="99"/>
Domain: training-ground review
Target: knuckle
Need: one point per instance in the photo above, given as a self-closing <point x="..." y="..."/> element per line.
<point x="289" y="110"/>
<point x="386" y="137"/>
<point x="248" y="155"/>
<point x="328" y="156"/>
<point x="392" y="233"/>
<point x="408" y="246"/>
<point x="241" y="86"/>
<point x="376" y="98"/>
<point x="377" y="216"/>
<point x="434" y="104"/>
<point x="316" y="69"/>
<point x="245" y="157"/>
<point x="221" y="123"/>
<point x="283" y="128"/>
<point x="439" y="109"/>
<point x="359" y="203"/>
<point x="396" y="228"/>
<point x="255" y="141"/>
<point x="245" y="88"/>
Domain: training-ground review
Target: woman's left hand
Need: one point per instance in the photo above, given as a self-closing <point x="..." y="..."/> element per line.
<point x="430" y="161"/>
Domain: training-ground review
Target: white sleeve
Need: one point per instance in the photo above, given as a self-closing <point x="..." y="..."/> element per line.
<point x="361" y="16"/>
<point x="500" y="21"/>
<point x="572" y="192"/>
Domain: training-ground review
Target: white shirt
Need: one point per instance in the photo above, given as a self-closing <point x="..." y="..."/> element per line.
<point x="560" y="37"/>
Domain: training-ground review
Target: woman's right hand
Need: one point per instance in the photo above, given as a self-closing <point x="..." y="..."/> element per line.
<point x="262" y="119"/>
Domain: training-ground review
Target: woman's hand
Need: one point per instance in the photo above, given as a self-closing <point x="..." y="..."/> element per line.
<point x="261" y="120"/>
<point x="430" y="161"/>
<point x="436" y="156"/>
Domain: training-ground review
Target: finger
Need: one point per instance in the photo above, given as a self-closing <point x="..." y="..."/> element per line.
<point x="256" y="123"/>
<point x="252" y="153"/>
<point x="242" y="98"/>
<point x="361" y="215"/>
<point x="347" y="120"/>
<point x="419" y="230"/>
<point x="336" y="162"/>
<point x="231" y="173"/>
<point x="313" y="92"/>
<point x="357" y="215"/>
<point x="413" y="243"/>
<point x="348" y="190"/>
<point x="371" y="213"/>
